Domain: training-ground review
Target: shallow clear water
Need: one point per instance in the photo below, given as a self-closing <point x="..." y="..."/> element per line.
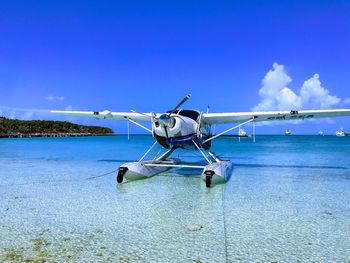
<point x="288" y="200"/>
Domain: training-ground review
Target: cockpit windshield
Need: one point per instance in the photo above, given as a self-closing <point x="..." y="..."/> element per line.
<point x="193" y="114"/>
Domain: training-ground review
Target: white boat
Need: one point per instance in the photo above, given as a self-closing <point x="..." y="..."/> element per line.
<point x="340" y="133"/>
<point x="288" y="132"/>
<point x="242" y="133"/>
<point x="321" y="133"/>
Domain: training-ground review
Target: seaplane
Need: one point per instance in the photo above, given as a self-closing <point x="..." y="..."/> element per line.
<point x="181" y="128"/>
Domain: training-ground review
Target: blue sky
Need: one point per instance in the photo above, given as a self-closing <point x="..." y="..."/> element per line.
<point x="147" y="55"/>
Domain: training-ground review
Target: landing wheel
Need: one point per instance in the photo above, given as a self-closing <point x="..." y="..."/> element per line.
<point x="208" y="181"/>
<point x="120" y="178"/>
<point x="121" y="172"/>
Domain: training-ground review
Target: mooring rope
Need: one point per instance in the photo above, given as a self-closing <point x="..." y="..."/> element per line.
<point x="101" y="175"/>
<point x="224" y="219"/>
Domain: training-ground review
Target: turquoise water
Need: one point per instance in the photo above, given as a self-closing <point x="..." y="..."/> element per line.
<point x="288" y="200"/>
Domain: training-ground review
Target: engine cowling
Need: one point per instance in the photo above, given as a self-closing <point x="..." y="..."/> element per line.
<point x="176" y="126"/>
<point x="172" y="130"/>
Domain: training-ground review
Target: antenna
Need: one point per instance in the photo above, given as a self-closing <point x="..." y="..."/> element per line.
<point x="208" y="109"/>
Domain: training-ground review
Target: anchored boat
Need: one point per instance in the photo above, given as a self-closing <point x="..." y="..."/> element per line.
<point x="342" y="133"/>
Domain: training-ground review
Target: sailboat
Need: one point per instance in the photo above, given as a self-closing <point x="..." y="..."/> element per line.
<point x="288" y="132"/>
<point x="242" y="133"/>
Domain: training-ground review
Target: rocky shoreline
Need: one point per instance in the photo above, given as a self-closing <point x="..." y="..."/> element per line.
<point x="12" y="128"/>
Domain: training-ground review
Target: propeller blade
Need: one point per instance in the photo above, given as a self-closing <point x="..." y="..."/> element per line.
<point x="181" y="102"/>
<point x="166" y="134"/>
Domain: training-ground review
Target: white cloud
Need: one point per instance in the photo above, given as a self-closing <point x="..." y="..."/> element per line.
<point x="55" y="97"/>
<point x="315" y="96"/>
<point x="275" y="94"/>
<point x="32" y="114"/>
<point x="23" y="114"/>
<point x="274" y="80"/>
<point x="347" y="101"/>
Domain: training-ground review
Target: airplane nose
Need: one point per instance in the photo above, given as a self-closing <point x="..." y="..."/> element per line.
<point x="165" y="120"/>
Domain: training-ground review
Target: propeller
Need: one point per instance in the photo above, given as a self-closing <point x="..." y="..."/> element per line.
<point x="180" y="103"/>
<point x="165" y="120"/>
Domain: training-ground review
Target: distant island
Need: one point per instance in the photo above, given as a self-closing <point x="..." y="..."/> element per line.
<point x="12" y="128"/>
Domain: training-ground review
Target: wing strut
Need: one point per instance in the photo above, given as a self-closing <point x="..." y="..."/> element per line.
<point x="149" y="149"/>
<point x="254" y="131"/>
<point x="128" y="130"/>
<point x="200" y="150"/>
<point x="138" y="124"/>
<point x="226" y="131"/>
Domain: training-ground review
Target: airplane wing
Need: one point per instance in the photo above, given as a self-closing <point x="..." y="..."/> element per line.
<point x="107" y="115"/>
<point x="220" y="118"/>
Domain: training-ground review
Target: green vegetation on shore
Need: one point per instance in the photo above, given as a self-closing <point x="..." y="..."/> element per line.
<point x="38" y="128"/>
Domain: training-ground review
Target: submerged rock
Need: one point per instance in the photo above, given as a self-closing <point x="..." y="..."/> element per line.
<point x="327" y="213"/>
